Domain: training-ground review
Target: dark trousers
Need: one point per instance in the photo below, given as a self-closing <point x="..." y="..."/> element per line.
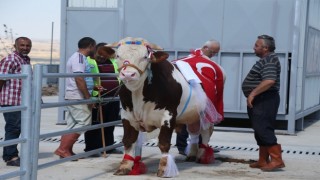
<point x="12" y="131"/>
<point x="181" y="140"/>
<point x="182" y="136"/>
<point x="93" y="138"/>
<point x="263" y="117"/>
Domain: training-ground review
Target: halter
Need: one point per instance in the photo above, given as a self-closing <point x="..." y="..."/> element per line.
<point x="150" y="51"/>
<point x="132" y="42"/>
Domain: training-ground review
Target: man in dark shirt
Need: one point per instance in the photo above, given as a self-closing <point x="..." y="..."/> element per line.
<point x="261" y="87"/>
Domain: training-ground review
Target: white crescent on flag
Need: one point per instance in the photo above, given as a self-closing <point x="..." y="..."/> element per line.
<point x="202" y="65"/>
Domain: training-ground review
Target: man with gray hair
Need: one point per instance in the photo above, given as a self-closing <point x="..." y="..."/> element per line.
<point x="211" y="48"/>
<point x="261" y="88"/>
<point x="208" y="50"/>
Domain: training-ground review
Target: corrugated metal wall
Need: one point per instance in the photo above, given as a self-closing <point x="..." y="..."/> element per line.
<point x="312" y="61"/>
<point x="180" y="25"/>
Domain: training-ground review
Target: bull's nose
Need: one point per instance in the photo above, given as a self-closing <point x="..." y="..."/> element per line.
<point x="128" y="76"/>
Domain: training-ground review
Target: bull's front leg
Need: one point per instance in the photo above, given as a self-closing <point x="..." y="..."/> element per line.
<point x="129" y="141"/>
<point x="166" y="160"/>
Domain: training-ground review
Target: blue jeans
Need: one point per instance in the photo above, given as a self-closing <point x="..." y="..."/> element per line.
<point x="12" y="131"/>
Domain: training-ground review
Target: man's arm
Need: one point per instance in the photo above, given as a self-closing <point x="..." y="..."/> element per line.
<point x="262" y="87"/>
<point x="82" y="86"/>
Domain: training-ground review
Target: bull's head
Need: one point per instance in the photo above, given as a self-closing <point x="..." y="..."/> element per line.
<point x="134" y="56"/>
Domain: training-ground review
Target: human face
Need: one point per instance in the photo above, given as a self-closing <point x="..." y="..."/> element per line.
<point x="91" y="50"/>
<point x="23" y="46"/>
<point x="211" y="51"/>
<point x="100" y="59"/>
<point x="260" y="49"/>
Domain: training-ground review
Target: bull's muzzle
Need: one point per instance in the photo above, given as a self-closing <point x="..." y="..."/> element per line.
<point x="128" y="76"/>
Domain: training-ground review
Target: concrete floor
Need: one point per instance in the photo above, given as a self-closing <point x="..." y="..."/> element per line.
<point x="301" y="153"/>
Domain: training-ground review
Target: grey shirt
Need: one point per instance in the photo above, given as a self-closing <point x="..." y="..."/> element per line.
<point x="266" y="68"/>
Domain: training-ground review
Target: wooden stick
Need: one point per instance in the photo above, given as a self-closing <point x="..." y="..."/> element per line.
<point x="102" y="129"/>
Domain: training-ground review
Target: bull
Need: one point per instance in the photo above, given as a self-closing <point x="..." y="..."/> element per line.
<point x="156" y="95"/>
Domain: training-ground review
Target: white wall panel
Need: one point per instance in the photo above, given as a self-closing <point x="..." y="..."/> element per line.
<point x="231" y="63"/>
<point x="244" y="20"/>
<point x="149" y="19"/>
<point x="100" y="25"/>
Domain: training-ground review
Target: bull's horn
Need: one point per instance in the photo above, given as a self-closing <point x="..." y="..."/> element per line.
<point x="113" y="45"/>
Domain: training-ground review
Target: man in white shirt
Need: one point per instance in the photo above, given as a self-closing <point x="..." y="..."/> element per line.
<point x="77" y="88"/>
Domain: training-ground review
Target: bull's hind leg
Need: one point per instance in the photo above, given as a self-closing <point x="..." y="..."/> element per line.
<point x="129" y="141"/>
<point x="167" y="166"/>
<point x="193" y="148"/>
<point x="193" y="145"/>
<point x="205" y="154"/>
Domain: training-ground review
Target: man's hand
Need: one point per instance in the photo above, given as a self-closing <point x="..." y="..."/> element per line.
<point x="262" y="87"/>
<point x="250" y="101"/>
<point x="98" y="88"/>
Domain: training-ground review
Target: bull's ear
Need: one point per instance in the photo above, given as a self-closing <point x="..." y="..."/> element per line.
<point x="111" y="52"/>
<point x="154" y="46"/>
<point x="159" y="56"/>
<point x="113" y="45"/>
<point x="106" y="52"/>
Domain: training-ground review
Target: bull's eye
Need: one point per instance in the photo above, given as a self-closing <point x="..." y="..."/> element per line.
<point x="117" y="56"/>
<point x="145" y="57"/>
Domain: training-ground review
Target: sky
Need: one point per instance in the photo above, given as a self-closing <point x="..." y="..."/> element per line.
<point x="31" y="18"/>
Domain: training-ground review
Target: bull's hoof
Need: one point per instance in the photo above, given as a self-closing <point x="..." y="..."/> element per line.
<point x="121" y="172"/>
<point x="160" y="173"/>
<point x="191" y="158"/>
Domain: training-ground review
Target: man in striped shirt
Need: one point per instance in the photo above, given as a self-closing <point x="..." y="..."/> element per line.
<point x="261" y="88"/>
<point x="10" y="95"/>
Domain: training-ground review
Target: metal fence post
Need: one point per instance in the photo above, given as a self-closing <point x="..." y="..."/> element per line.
<point x="26" y="123"/>
<point x="37" y="93"/>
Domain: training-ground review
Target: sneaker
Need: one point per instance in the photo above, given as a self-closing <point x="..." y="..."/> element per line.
<point x="15" y="162"/>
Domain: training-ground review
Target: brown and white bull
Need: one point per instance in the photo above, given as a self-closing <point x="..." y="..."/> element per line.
<point x="156" y="95"/>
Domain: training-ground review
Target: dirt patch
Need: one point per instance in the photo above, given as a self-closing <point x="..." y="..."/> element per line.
<point x="50" y="90"/>
<point x="243" y="161"/>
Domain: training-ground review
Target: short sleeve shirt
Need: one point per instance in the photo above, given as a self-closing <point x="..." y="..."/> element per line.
<point x="77" y="63"/>
<point x="266" y="68"/>
<point x="10" y="94"/>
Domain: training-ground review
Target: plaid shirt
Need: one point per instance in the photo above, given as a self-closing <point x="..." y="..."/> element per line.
<point x="10" y="94"/>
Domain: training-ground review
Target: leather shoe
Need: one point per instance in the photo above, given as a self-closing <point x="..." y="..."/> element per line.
<point x="182" y="153"/>
<point x="15" y="162"/>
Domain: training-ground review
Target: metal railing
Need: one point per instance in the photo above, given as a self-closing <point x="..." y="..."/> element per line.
<point x="31" y="107"/>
